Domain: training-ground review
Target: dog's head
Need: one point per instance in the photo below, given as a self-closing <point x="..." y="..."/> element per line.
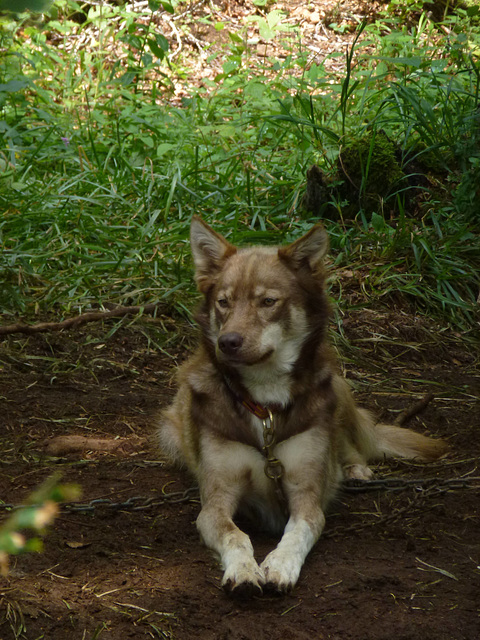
<point x="262" y="304"/>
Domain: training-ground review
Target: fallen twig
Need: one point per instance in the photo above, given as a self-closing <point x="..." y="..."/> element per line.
<point x="84" y="318"/>
<point x="414" y="410"/>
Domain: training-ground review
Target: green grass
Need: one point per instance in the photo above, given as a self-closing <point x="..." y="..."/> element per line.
<point x="101" y="174"/>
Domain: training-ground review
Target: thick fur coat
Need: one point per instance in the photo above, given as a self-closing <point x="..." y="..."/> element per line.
<point x="262" y="417"/>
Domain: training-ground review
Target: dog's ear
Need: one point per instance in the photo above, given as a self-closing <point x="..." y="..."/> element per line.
<point x="209" y="250"/>
<point x="308" y="251"/>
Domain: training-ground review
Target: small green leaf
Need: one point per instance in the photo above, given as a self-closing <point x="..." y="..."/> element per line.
<point x="234" y="37"/>
<point x="148" y="141"/>
<point x="232" y="64"/>
<point x="378" y="223"/>
<point x="226" y="131"/>
<point x="161" y="41"/>
<point x="255" y="89"/>
<point x="156" y="48"/>
<point x="164" y="148"/>
<point x="127" y="78"/>
<point x="12" y="542"/>
<point x="155" y="5"/>
<point x="63" y="492"/>
<point x="19" y="186"/>
<point x="34" y="545"/>
<point x="25" y="518"/>
<point x="167" y="6"/>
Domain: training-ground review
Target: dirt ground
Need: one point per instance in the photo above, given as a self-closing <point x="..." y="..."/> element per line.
<point x="401" y="565"/>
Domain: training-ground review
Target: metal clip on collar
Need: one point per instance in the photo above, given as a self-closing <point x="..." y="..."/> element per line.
<point x="273" y="467"/>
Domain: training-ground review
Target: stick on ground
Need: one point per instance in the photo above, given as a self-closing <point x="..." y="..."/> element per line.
<point x="84" y="318"/>
<point x="405" y="415"/>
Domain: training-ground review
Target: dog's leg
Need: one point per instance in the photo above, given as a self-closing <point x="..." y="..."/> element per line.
<point x="242" y="575"/>
<point x="222" y="486"/>
<point x="310" y="480"/>
<point x="283" y="565"/>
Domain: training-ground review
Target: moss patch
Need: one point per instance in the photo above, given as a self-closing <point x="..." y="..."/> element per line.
<point x="370" y="170"/>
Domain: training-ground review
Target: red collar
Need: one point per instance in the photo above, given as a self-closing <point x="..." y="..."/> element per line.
<point x="259" y="410"/>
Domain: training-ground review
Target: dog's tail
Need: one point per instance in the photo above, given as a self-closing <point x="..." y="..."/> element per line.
<point x="366" y="441"/>
<point x="385" y="440"/>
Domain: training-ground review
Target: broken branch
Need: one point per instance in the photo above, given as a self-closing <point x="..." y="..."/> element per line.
<point x="414" y="410"/>
<point x="84" y="318"/>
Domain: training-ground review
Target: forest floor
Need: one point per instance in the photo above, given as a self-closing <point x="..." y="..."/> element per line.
<point x="392" y="564"/>
<point x="401" y="565"/>
<point x="202" y="44"/>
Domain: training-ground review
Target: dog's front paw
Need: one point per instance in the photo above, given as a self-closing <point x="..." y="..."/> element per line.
<point x="281" y="570"/>
<point x="243" y="579"/>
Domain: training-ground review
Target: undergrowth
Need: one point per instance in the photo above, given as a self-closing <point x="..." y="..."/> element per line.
<point x="101" y="169"/>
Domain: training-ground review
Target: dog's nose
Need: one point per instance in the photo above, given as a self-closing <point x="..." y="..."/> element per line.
<point x="230" y="343"/>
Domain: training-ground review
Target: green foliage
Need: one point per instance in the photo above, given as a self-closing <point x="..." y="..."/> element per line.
<point x="467" y="193"/>
<point x="270" y="25"/>
<point x="39" y="512"/>
<point x="101" y="171"/>
<point x="18" y="6"/>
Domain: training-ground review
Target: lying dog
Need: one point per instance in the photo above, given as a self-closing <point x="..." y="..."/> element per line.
<point x="262" y="418"/>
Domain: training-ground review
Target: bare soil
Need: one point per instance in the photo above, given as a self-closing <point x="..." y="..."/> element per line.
<point x="401" y="565"/>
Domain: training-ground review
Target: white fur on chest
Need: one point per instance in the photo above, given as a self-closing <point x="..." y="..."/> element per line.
<point x="268" y="386"/>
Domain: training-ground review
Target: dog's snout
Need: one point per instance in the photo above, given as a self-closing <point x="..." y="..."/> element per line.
<point x="230" y="343"/>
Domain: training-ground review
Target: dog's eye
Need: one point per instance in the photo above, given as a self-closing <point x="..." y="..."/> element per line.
<point x="269" y="302"/>
<point x="222" y="303"/>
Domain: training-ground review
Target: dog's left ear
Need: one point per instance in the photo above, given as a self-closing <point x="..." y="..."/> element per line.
<point x="308" y="251"/>
<point x="209" y="250"/>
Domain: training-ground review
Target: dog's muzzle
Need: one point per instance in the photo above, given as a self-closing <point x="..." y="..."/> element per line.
<point x="230" y="343"/>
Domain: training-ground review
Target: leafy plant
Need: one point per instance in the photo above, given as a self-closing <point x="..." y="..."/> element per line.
<point x="270" y="25"/>
<point x="101" y="172"/>
<point x="40" y="511"/>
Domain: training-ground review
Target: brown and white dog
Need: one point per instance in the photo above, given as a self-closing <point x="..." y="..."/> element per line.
<point x="262" y="417"/>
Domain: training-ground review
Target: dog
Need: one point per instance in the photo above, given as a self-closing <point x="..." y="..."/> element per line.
<point x="262" y="417"/>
